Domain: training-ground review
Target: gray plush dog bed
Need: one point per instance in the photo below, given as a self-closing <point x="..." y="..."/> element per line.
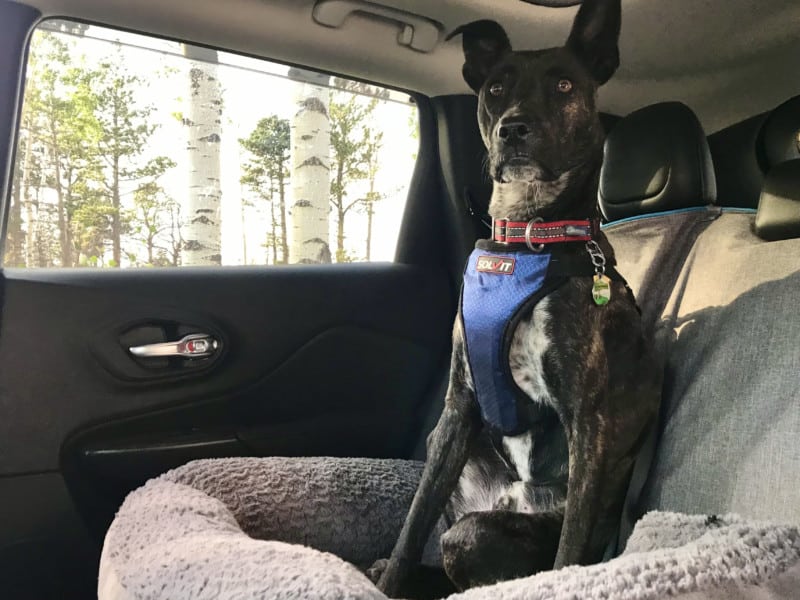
<point x="293" y="528"/>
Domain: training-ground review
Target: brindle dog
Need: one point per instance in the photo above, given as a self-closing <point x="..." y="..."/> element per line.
<point x="552" y="495"/>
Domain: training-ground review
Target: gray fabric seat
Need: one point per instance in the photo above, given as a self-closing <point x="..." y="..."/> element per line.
<point x="731" y="419"/>
<point x="730" y="437"/>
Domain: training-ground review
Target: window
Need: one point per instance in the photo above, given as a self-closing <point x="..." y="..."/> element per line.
<point x="136" y="152"/>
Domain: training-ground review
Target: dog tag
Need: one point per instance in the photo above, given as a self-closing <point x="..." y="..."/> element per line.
<point x="601" y="290"/>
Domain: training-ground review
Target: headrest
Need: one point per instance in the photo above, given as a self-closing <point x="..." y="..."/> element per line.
<point x="780" y="135"/>
<point x="656" y="159"/>
<point x="778" y="216"/>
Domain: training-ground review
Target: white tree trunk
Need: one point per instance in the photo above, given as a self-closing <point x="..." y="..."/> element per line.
<point x="202" y="224"/>
<point x="310" y="179"/>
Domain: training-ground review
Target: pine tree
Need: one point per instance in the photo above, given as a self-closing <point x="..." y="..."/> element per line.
<point x="84" y="145"/>
<point x="350" y="143"/>
<point x="156" y="224"/>
<point x="267" y="174"/>
<point x="57" y="151"/>
<point x="113" y="95"/>
<point x="374" y="143"/>
<point x="15" y="235"/>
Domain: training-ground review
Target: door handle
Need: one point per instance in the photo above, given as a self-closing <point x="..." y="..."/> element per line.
<point x="195" y="345"/>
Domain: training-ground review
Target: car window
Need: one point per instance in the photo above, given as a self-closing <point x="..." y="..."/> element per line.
<point x="135" y="151"/>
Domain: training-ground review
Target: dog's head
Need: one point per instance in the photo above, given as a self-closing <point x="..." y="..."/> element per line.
<point x="536" y="109"/>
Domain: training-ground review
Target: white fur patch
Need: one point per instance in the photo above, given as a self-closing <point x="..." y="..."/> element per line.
<point x="518" y="448"/>
<point x="527" y="350"/>
<point x="517" y="499"/>
<point x="475" y="492"/>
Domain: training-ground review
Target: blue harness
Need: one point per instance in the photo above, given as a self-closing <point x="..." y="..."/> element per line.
<point x="496" y="286"/>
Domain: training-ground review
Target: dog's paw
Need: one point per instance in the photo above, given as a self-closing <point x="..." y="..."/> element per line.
<point x="505" y="502"/>
<point x="515" y="499"/>
<point x="377" y="569"/>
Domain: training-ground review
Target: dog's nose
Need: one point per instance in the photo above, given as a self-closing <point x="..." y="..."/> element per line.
<point x="512" y="130"/>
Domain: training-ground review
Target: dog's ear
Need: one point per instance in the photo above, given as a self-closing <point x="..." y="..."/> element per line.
<point x="594" y="37"/>
<point x="484" y="43"/>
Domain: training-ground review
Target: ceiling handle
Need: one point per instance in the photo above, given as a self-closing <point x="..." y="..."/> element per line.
<point x="416" y="32"/>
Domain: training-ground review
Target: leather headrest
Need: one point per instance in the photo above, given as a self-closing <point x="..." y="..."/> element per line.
<point x="780" y="135"/>
<point x="778" y="216"/>
<point x="656" y="159"/>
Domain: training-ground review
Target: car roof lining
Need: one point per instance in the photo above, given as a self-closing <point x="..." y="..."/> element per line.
<point x="727" y="63"/>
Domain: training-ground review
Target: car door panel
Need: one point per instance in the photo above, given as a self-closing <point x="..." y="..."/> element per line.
<point x="297" y="340"/>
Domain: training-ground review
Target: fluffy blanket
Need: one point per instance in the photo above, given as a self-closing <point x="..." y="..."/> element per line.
<point x="294" y="528"/>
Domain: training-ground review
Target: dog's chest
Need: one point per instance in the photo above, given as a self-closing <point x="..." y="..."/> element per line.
<point x="505" y="314"/>
<point x="530" y="343"/>
<point x="515" y="470"/>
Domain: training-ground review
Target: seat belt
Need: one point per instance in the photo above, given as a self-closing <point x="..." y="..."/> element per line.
<point x="631" y="508"/>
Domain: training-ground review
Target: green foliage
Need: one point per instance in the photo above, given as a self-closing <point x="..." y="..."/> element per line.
<point x="266" y="173"/>
<point x="371" y="154"/>
<point x="354" y="153"/>
<point x="348" y="144"/>
<point x="156" y="224"/>
<point x="93" y="220"/>
<point x="343" y="256"/>
<point x="268" y="144"/>
<point x="112" y="94"/>
<point x="83" y="146"/>
<point x="57" y="151"/>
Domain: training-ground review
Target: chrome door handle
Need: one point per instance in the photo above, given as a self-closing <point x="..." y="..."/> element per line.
<point x="195" y="345"/>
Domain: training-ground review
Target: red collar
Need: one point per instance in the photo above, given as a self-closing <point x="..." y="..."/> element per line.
<point x="537" y="231"/>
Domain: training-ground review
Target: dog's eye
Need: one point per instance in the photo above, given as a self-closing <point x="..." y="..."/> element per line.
<point x="564" y="86"/>
<point x="496" y="89"/>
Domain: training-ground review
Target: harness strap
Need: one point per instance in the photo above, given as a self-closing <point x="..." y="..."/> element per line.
<point x="495" y="285"/>
<point x="631" y="505"/>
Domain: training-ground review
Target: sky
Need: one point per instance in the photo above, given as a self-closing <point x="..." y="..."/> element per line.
<point x="254" y="89"/>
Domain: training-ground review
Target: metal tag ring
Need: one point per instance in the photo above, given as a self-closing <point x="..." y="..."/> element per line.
<point x="538" y="247"/>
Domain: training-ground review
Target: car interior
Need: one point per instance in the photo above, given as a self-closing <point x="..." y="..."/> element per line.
<point x="699" y="193"/>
